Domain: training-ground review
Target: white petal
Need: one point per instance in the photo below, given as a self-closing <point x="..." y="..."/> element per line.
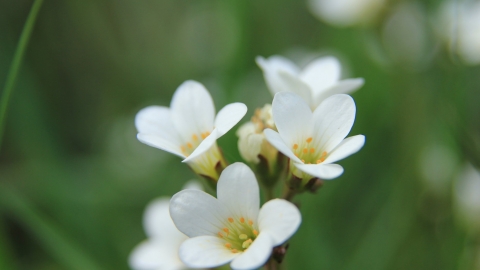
<point x="197" y="213"/>
<point x="280" y="219"/>
<point x="237" y="190"/>
<point x="205" y="252"/>
<point x="256" y="255"/>
<point x="322" y="73"/>
<point x="274" y="139"/>
<point x="342" y="87"/>
<point x="333" y="120"/>
<point x="271" y="68"/>
<point x="229" y="116"/>
<point x="157" y="120"/>
<point x="192" y="110"/>
<point x="160" y="143"/>
<point x="322" y="171"/>
<point x="292" y="116"/>
<point x="347" y="147"/>
<point x="293" y="84"/>
<point x="153" y="255"/>
<point x="203" y="147"/>
<point x="157" y="222"/>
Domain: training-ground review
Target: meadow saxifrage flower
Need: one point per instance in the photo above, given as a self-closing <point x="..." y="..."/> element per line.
<point x="160" y="250"/>
<point x="189" y="128"/>
<point x="232" y="228"/>
<point x="314" y="140"/>
<point x="317" y="81"/>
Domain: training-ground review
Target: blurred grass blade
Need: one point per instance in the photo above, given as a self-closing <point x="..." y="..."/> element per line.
<point x="49" y="235"/>
<point x="6" y="261"/>
<point x="16" y="63"/>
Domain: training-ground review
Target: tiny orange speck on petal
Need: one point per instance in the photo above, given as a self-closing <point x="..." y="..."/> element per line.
<point x="228" y="245"/>
<point x="250" y="222"/>
<point x="189" y="145"/>
<point x="255" y="232"/>
<point x="230" y="220"/>
<point x="242" y="220"/>
<point x="309" y="139"/>
<point x="234" y="251"/>
<point x="295" y="146"/>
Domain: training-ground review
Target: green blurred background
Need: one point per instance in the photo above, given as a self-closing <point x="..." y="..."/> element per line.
<point x="74" y="180"/>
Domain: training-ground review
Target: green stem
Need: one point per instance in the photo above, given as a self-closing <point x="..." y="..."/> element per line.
<point x="16" y="63"/>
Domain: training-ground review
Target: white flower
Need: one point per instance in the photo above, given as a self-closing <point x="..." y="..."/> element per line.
<point x="467" y="198"/>
<point x="459" y="25"/>
<point x="232" y="227"/>
<point x="313" y="141"/>
<point x="160" y="250"/>
<point x="251" y="140"/>
<point x="346" y="12"/>
<point x="317" y="81"/>
<point x="189" y="128"/>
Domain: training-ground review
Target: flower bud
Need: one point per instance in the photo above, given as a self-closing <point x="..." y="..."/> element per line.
<point x="251" y="142"/>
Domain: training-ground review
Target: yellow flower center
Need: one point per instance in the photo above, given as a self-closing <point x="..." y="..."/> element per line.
<point x="307" y="153"/>
<point x="195" y="141"/>
<point x="239" y="234"/>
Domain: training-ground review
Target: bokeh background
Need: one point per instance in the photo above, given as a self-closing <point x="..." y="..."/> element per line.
<point x="74" y="180"/>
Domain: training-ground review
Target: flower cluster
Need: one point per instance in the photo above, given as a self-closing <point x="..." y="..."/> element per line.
<point x="293" y="142"/>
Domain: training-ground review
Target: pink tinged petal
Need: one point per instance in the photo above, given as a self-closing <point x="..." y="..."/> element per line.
<point x="229" y="116"/>
<point x="347" y="147"/>
<point x="256" y="255"/>
<point x="280" y="219"/>
<point x="157" y="222"/>
<point x="342" y="87"/>
<point x="160" y="143"/>
<point x="157" y="120"/>
<point x="205" y="252"/>
<point x="197" y="213"/>
<point x="295" y="85"/>
<point x="333" y="120"/>
<point x="154" y="255"/>
<point x="237" y="190"/>
<point x="274" y="139"/>
<point x="293" y="117"/>
<point x="192" y="110"/>
<point x="271" y="68"/>
<point x="322" y="171"/>
<point x="321" y="73"/>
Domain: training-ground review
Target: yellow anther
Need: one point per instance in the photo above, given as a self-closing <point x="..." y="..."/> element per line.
<point x="296" y="154"/>
<point x="309" y="140"/>
<point x="324" y="154"/>
<point x="303" y="160"/>
<point x="243" y="236"/>
<point x="226" y="231"/>
<point x="312" y="150"/>
<point x="319" y="161"/>
<point x="183" y="148"/>
<point x="194" y="137"/>
<point x="203" y="135"/>
<point x="305" y="150"/>
<point x="247" y="243"/>
<point x="295" y="146"/>
<point x="189" y="145"/>
<point x="255" y="232"/>
<point x="322" y="159"/>
<point x="242" y="220"/>
<point x="228" y="245"/>
<point x="250" y="222"/>
<point x="234" y="251"/>
<point x="230" y="220"/>
<point x="220" y="234"/>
